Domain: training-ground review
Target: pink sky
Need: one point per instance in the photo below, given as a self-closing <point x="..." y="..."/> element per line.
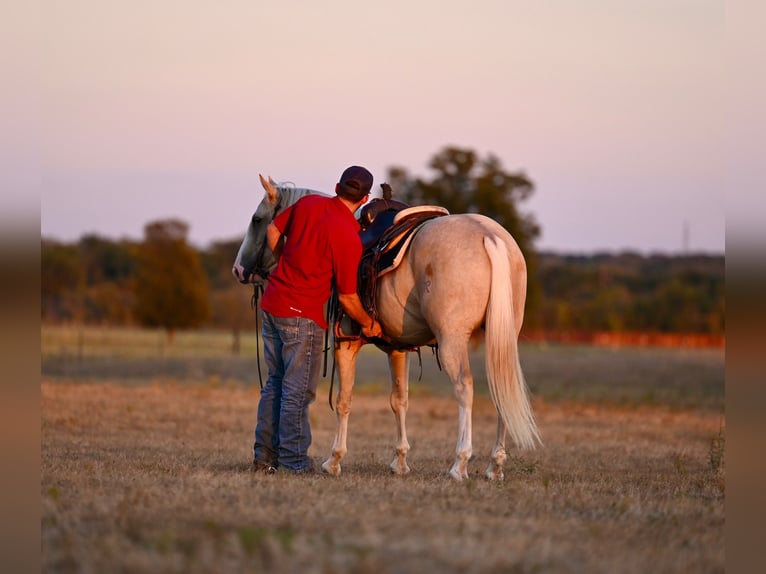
<point x="615" y="109"/>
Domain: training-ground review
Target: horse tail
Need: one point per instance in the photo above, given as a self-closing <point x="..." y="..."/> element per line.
<point x="507" y="386"/>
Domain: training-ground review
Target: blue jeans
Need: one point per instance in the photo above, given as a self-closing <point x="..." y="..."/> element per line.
<point x="293" y="355"/>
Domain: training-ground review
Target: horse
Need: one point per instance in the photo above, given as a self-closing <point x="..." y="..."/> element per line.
<point x="461" y="273"/>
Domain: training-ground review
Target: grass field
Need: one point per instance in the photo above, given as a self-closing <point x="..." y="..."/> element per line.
<point x="669" y="377"/>
<point x="146" y="451"/>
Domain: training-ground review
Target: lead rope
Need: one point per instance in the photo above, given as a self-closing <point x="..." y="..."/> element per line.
<point x="332" y="380"/>
<point x="254" y="306"/>
<point x="332" y="314"/>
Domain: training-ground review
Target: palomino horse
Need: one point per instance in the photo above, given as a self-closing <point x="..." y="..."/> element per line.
<point x="461" y="273"/>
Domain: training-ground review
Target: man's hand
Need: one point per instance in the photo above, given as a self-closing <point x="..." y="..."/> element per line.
<point x="372" y="331"/>
<point x="353" y="306"/>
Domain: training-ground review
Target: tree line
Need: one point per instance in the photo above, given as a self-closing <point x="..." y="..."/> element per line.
<point x="629" y="292"/>
<point x="163" y="281"/>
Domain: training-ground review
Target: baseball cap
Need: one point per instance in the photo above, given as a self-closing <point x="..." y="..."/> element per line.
<point x="355" y="182"/>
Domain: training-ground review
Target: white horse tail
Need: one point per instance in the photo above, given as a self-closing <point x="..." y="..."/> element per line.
<point x="507" y="386"/>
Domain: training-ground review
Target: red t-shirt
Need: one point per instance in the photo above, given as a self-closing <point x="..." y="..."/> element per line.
<point x="322" y="245"/>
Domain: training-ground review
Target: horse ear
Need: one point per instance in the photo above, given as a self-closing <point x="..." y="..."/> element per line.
<point x="270" y="187"/>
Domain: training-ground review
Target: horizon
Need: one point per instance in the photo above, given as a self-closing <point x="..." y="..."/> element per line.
<point x="538" y="250"/>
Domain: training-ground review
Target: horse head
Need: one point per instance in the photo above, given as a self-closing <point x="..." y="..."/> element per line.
<point x="255" y="261"/>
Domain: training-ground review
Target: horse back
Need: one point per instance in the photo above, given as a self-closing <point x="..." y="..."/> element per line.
<point x="442" y="285"/>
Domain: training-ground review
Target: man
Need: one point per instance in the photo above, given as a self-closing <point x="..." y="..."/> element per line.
<point x="317" y="243"/>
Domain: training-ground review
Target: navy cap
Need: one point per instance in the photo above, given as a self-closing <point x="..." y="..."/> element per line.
<point x="355" y="183"/>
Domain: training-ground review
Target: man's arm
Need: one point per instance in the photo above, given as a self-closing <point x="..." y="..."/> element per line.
<point x="353" y="306"/>
<point x="275" y="240"/>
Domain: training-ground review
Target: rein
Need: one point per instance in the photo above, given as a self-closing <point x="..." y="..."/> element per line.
<point x="254" y="307"/>
<point x="256" y="288"/>
<point x="333" y="307"/>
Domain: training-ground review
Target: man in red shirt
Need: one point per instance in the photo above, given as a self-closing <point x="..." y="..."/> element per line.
<point x="317" y="244"/>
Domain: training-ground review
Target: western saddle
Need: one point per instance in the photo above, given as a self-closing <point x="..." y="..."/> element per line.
<point x="388" y="227"/>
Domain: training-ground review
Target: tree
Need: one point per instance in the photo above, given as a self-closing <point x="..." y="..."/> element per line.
<point x="108" y="268"/>
<point x="229" y="298"/>
<point x="630" y="292"/>
<point x="465" y="183"/>
<point x="217" y="260"/>
<point x="171" y="288"/>
<point x="106" y="260"/>
<point x="61" y="278"/>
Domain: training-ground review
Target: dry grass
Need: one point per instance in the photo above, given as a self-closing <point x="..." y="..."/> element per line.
<point x="683" y="378"/>
<point x="155" y="478"/>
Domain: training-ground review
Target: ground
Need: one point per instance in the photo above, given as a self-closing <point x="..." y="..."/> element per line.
<point x="156" y="478"/>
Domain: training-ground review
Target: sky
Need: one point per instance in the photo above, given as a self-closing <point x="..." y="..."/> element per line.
<point x="614" y="108"/>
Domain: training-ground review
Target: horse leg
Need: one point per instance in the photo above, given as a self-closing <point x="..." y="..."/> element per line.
<point x="345" y="358"/>
<point x="454" y="358"/>
<point x="398" y="364"/>
<point x="499" y="456"/>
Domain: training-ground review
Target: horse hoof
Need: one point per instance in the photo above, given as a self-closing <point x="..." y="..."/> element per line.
<point x="398" y="469"/>
<point x="329" y="468"/>
<point x="457" y="475"/>
<point x="495" y="475"/>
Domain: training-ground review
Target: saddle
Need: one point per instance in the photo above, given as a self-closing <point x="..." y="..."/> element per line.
<point x="388" y="227"/>
<point x="384" y="245"/>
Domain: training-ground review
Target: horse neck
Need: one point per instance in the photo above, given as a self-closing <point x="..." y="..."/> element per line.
<point x="290" y="195"/>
